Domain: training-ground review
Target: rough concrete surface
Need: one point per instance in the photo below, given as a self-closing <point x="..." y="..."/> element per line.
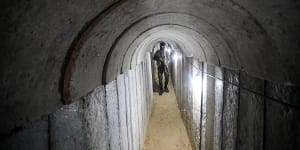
<point x="210" y="109"/>
<point x="252" y="83"/>
<point x="133" y="106"/>
<point x="113" y="115"/>
<point x="282" y="127"/>
<point x="123" y="110"/>
<point x="35" y="137"/>
<point x="230" y="114"/>
<point x="139" y="104"/>
<point x="95" y="120"/>
<point x="218" y="114"/>
<point x="81" y="125"/>
<point x="129" y="111"/>
<point x="36" y="36"/>
<point x="231" y="76"/>
<point x="204" y="108"/>
<point x="251" y="121"/>
<point x="198" y="96"/>
<point x="288" y="94"/>
<point x="67" y="128"/>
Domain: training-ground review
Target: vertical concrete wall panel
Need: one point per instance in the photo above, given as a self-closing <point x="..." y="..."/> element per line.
<point x="81" y="125"/>
<point x="95" y="120"/>
<point x="251" y="121"/>
<point x="147" y="91"/>
<point x="135" y="108"/>
<point x="178" y="82"/>
<point x="181" y="82"/>
<point x="188" y="101"/>
<point x="143" y="101"/>
<point x="139" y="103"/>
<point x="239" y="112"/>
<point x="133" y="105"/>
<point x="147" y="94"/>
<point x="145" y="97"/>
<point x="181" y="85"/>
<point x="122" y="112"/>
<point x="210" y="107"/>
<point x="129" y="111"/>
<point x="251" y="113"/>
<point x="230" y="113"/>
<point x="230" y="110"/>
<point x="197" y="99"/>
<point x="218" y="109"/>
<point x="113" y="115"/>
<point x="67" y="128"/>
<point x="203" y="128"/>
<point x="185" y="86"/>
<point x="149" y="81"/>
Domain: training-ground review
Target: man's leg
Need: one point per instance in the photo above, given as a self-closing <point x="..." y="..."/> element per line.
<point x="166" y="73"/>
<point x="160" y="72"/>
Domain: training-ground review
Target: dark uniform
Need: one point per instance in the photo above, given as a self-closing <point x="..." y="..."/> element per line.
<point x="162" y="67"/>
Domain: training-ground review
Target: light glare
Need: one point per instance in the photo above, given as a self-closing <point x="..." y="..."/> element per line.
<point x="168" y="49"/>
<point x="175" y="57"/>
<point x="197" y="83"/>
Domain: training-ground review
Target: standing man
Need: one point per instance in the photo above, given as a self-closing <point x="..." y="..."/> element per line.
<point x="161" y="58"/>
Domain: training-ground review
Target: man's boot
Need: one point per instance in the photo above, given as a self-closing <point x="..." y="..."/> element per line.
<point x="166" y="89"/>
<point x="160" y="91"/>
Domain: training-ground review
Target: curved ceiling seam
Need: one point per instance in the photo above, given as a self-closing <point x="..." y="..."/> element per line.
<point x="137" y="53"/>
<point x="75" y="47"/>
<point x="219" y="33"/>
<point x="175" y="25"/>
<point x="79" y="41"/>
<point x="136" y="60"/>
<point x="205" y="34"/>
<point x="179" y="48"/>
<point x="134" y="51"/>
<point x="199" y="43"/>
<point x="207" y="41"/>
<point x="213" y="47"/>
<point x="255" y="21"/>
<point x="127" y="49"/>
<point x="133" y="24"/>
<point x="117" y="40"/>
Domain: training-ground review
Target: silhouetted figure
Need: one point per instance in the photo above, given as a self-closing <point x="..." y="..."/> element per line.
<point x="161" y="58"/>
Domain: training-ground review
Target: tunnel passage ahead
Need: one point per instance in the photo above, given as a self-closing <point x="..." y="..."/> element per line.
<point x="166" y="129"/>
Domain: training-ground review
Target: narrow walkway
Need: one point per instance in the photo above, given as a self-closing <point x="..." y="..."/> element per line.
<point x="166" y="130"/>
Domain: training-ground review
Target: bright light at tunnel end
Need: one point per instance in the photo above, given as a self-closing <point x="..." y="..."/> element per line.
<point x="168" y="49"/>
<point x="175" y="56"/>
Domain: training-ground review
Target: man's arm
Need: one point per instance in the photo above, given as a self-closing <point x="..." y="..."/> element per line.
<point x="156" y="57"/>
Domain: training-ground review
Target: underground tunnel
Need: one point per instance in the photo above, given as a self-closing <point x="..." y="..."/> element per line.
<point x="81" y="75"/>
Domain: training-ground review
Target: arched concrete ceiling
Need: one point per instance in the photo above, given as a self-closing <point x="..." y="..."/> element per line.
<point x="228" y="32"/>
<point x="191" y="43"/>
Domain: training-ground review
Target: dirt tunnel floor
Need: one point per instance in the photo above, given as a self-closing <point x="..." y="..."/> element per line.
<point x="166" y="130"/>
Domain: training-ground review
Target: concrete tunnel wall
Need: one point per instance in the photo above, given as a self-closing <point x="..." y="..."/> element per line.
<point x="111" y="117"/>
<point x="226" y="109"/>
<point x="50" y="48"/>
